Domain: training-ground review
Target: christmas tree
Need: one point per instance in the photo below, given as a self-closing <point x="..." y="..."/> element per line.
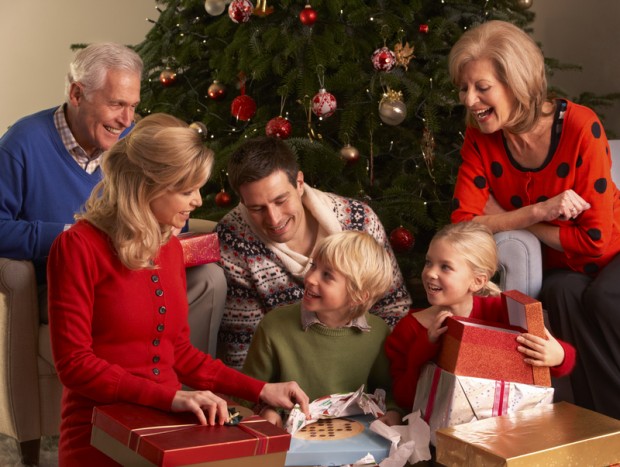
<point x="359" y="89"/>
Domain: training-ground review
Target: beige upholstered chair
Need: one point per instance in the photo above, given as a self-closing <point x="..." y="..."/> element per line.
<point x="519" y="251"/>
<point x="30" y="390"/>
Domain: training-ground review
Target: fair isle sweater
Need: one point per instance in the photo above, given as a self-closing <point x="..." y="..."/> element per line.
<point x="263" y="275"/>
<point x="322" y="360"/>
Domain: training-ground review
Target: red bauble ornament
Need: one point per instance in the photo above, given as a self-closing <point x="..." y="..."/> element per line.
<point x="243" y="107"/>
<point x="423" y="28"/>
<point x="167" y="77"/>
<point x="240" y="10"/>
<point x="216" y="91"/>
<point x="222" y="199"/>
<point x="383" y="59"/>
<point x="279" y="127"/>
<point x="323" y="104"/>
<point x="308" y="16"/>
<point x="401" y="239"/>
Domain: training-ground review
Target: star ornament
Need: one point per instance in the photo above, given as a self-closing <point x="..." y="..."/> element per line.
<point x="404" y="54"/>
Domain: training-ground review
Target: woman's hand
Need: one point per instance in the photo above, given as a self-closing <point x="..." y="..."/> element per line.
<point x="285" y="395"/>
<point x="567" y="205"/>
<point x="436" y="329"/>
<point x="199" y="403"/>
<point x="540" y="352"/>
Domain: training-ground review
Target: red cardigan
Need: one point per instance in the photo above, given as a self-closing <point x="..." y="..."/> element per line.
<point x="581" y="162"/>
<point x="408" y="349"/>
<point x="121" y="335"/>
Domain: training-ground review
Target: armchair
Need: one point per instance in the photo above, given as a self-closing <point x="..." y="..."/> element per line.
<point x="519" y="251"/>
<point x="30" y="390"/>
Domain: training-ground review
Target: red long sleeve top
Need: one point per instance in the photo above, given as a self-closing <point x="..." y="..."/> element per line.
<point x="121" y="335"/>
<point x="581" y="162"/>
<point x="409" y="349"/>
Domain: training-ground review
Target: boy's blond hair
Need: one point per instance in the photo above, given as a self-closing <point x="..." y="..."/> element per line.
<point x="363" y="261"/>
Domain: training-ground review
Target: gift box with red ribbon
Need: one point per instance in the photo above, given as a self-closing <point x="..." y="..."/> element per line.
<point x="200" y="248"/>
<point x="141" y="436"/>
<point x="481" y="349"/>
<point x="446" y="399"/>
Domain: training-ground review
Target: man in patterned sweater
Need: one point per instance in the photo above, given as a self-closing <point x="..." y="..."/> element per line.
<point x="267" y="241"/>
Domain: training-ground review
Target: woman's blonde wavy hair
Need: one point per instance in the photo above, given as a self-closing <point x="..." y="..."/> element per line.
<point x="518" y="63"/>
<point x="363" y="261"/>
<point x="161" y="154"/>
<point x="476" y="244"/>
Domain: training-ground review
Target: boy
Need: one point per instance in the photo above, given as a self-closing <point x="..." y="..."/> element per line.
<point x="330" y="343"/>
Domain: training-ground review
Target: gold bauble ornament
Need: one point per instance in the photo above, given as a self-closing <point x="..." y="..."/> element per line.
<point x="525" y="4"/>
<point x="349" y="154"/>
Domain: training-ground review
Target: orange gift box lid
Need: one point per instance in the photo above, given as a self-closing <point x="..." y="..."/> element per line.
<point x="166" y="438"/>
<point x="482" y="349"/>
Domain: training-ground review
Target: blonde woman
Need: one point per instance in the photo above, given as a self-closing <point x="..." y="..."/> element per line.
<point x="460" y="262"/>
<point x="544" y="165"/>
<point x="117" y="301"/>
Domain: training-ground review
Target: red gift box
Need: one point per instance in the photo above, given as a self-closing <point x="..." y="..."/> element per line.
<point x="200" y="248"/>
<point x="138" y="435"/>
<point x="480" y="349"/>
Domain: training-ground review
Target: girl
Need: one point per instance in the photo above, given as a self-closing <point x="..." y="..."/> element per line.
<point x="460" y="262"/>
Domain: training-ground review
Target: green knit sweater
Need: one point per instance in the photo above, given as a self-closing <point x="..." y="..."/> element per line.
<point x="322" y="360"/>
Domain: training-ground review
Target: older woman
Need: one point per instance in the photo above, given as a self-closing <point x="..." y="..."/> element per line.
<point x="118" y="309"/>
<point x="533" y="163"/>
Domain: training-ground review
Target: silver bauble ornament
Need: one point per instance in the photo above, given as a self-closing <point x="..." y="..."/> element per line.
<point x="215" y="7"/>
<point x="392" y="110"/>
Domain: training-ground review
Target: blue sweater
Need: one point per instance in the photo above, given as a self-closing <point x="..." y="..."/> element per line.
<point x="41" y="188"/>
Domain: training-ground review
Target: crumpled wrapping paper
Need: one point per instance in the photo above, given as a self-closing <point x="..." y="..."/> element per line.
<point x="338" y="406"/>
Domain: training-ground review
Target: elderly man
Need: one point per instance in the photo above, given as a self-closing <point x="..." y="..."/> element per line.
<point x="49" y="164"/>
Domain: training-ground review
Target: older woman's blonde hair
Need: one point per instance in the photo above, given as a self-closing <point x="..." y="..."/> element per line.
<point x="363" y="261"/>
<point x="476" y="244"/>
<point x="518" y="63"/>
<point x="161" y="154"/>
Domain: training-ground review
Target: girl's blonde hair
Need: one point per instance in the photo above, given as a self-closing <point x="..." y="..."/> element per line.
<point x="518" y="62"/>
<point x="476" y="244"/>
<point x="363" y="261"/>
<point x="161" y="154"/>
